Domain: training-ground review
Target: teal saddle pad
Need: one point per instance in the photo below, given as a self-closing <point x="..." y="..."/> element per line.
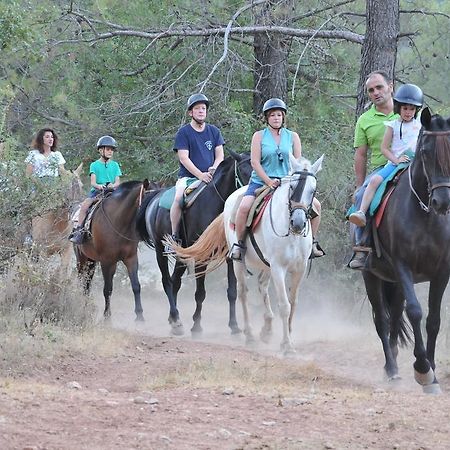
<point x="376" y="201"/>
<point x="167" y="198"/>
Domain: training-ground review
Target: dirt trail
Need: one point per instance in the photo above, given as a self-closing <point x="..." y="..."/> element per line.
<point x="153" y="391"/>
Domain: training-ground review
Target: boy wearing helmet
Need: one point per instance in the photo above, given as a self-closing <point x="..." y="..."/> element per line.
<point x="199" y="147"/>
<point x="270" y="149"/>
<point x="105" y="174"/>
<point x="398" y="145"/>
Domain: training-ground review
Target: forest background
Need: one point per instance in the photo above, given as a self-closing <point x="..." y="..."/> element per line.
<point x="88" y="68"/>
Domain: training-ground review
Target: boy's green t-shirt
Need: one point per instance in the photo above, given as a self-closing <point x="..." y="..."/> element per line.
<point x="105" y="172"/>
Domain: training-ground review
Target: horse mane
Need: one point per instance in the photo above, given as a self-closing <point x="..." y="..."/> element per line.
<point x="442" y="144"/>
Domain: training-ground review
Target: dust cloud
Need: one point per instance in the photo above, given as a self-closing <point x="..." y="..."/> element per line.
<point x="332" y="327"/>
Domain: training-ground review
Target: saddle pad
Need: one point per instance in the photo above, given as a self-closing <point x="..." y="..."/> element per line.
<point x="168" y="196"/>
<point x="260" y="198"/>
<point x="260" y="212"/>
<point x="380" y="212"/>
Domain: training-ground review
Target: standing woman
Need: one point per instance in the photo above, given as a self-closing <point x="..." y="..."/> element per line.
<point x="270" y="149"/>
<point x="44" y="161"/>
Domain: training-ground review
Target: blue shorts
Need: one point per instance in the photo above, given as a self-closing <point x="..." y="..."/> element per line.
<point x="252" y="188"/>
<point x="386" y="170"/>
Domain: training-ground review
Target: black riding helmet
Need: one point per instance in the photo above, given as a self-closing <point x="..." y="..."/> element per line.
<point x="106" y="141"/>
<point x="274" y="103"/>
<point x="408" y="94"/>
<point x="197" y="98"/>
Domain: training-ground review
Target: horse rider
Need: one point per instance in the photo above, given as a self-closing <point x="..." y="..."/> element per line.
<point x="105" y="175"/>
<point x="369" y="133"/>
<point x="199" y="146"/>
<point x="270" y="149"/>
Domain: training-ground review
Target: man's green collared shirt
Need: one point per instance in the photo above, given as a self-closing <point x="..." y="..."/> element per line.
<point x="369" y="130"/>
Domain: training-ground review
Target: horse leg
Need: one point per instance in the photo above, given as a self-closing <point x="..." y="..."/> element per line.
<point x="423" y="373"/>
<point x="239" y="271"/>
<point x="108" y="271"/>
<point x="132" y="266"/>
<point x="200" y="294"/>
<point x="232" y="295"/>
<point x="263" y="286"/>
<point x="85" y="269"/>
<point x="279" y="282"/>
<point x="167" y="281"/>
<point x="374" y="289"/>
<point x="296" y="279"/>
<point x="178" y="271"/>
<point x="436" y="291"/>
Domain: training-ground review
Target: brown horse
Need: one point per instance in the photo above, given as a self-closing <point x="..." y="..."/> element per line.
<point x="51" y="229"/>
<point x="114" y="238"/>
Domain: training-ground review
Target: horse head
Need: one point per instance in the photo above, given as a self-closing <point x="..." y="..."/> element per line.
<point x="433" y="151"/>
<point x="303" y="182"/>
<point x="243" y="167"/>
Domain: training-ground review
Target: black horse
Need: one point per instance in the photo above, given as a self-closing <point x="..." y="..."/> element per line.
<point x="413" y="241"/>
<point x="114" y="238"/>
<point x="154" y="225"/>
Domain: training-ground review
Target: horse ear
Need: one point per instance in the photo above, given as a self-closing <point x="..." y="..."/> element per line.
<point x="78" y="170"/>
<point x="317" y="165"/>
<point x="425" y="117"/>
<point x="146" y="184"/>
<point x="293" y="162"/>
<point x="234" y="154"/>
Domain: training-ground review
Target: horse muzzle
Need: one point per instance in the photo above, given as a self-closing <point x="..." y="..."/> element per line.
<point x="298" y="220"/>
<point x="440" y="198"/>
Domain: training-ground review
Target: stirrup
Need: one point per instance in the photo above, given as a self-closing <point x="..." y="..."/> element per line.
<point x="237" y="252"/>
<point x="317" y="251"/>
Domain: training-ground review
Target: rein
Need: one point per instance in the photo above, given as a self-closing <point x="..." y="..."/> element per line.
<point x="433" y="186"/>
<point x="296" y="192"/>
<point x="139" y="202"/>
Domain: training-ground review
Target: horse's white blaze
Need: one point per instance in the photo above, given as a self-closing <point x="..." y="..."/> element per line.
<point x="286" y="253"/>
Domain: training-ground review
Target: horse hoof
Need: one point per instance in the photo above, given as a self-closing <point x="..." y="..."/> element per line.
<point x="177" y="329"/>
<point x="424" y="379"/>
<point x="197" y="333"/>
<point x="394" y="378"/>
<point x="433" y="388"/>
<point x="236" y="330"/>
<point x="139" y="318"/>
<point x="265" y="337"/>
<point x="287" y="352"/>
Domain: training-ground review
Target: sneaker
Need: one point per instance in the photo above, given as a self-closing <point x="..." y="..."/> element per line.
<point x="358" y="218"/>
<point x="358" y="261"/>
<point x="168" y="249"/>
<point x="237" y="251"/>
<point x="78" y="236"/>
<point x="317" y="250"/>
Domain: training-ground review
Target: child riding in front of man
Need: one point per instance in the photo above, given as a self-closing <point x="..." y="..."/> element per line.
<point x="105" y="174"/>
<point x="399" y="143"/>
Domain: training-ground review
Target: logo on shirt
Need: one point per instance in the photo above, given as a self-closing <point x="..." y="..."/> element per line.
<point x="209" y="145"/>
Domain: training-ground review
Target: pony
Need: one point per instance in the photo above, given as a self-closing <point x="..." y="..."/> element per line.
<point x="279" y="246"/>
<point x="51" y="229"/>
<point x="154" y="224"/>
<point x="412" y="248"/>
<point x="114" y="238"/>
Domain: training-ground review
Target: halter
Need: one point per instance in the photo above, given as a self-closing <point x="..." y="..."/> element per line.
<point x="433" y="186"/>
<point x="296" y="194"/>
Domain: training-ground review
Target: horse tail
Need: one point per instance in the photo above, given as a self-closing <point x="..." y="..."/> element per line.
<point x="140" y="217"/>
<point x="210" y="249"/>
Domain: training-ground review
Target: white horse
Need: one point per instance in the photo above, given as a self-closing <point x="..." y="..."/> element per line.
<point x="279" y="247"/>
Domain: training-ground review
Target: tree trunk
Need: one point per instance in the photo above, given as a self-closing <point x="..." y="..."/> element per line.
<point x="271" y="52"/>
<point x="379" y="50"/>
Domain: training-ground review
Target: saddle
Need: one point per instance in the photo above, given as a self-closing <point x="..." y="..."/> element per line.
<point x="263" y="195"/>
<point x="192" y="191"/>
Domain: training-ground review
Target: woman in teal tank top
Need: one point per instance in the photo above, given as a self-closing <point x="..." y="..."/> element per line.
<point x="270" y="149"/>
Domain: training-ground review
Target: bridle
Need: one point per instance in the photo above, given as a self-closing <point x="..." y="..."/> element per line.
<point x="431" y="187"/>
<point x="295" y="197"/>
<point x="238" y="182"/>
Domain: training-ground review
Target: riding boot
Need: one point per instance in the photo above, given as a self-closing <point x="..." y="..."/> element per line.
<point x="78" y="235"/>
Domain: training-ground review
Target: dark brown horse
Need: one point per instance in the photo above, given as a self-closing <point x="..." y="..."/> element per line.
<point x="114" y="238"/>
<point x="414" y="235"/>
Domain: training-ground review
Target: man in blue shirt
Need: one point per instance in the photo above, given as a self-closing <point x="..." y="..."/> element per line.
<point x="199" y="147"/>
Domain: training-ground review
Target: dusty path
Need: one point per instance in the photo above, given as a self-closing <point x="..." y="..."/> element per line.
<point x="129" y="388"/>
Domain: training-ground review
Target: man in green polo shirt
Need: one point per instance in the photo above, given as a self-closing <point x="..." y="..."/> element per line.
<point x="369" y="132"/>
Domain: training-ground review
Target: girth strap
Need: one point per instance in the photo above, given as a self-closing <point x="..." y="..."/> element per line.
<point x="256" y="247"/>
